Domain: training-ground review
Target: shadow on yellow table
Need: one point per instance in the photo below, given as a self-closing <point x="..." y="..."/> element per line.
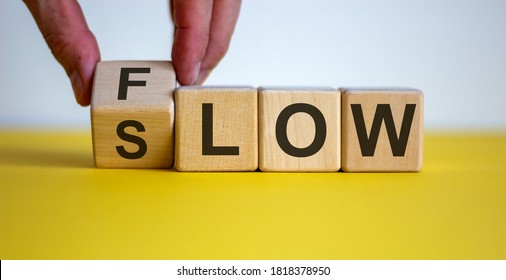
<point x="55" y="205"/>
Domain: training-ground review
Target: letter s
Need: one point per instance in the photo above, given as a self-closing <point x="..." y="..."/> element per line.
<point x="120" y="130"/>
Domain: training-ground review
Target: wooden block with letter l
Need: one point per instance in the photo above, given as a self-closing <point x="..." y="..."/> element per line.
<point x="216" y="128"/>
<point x="299" y="129"/>
<point x="382" y="130"/>
<point x="132" y="114"/>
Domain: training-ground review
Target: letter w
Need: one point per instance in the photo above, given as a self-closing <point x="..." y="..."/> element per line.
<point x="383" y="112"/>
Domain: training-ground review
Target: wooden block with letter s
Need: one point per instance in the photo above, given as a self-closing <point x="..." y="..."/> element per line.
<point x="132" y="113"/>
<point x="382" y="129"/>
<point x="299" y="129"/>
<point x="216" y="128"/>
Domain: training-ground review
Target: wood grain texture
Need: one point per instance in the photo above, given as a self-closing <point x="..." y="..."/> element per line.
<point x="300" y="129"/>
<point x="365" y="105"/>
<point x="150" y="104"/>
<point x="234" y="125"/>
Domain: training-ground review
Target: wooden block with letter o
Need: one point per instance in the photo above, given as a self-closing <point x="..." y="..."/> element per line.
<point x="382" y="130"/>
<point x="216" y="129"/>
<point x="299" y="129"/>
<point x="132" y="112"/>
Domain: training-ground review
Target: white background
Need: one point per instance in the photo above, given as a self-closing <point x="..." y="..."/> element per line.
<point x="345" y="270"/>
<point x="453" y="50"/>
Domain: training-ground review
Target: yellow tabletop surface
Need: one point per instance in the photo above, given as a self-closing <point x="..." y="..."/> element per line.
<point x="54" y="204"/>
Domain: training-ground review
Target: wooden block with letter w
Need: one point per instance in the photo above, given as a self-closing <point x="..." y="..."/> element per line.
<point x="132" y="114"/>
<point x="382" y="130"/>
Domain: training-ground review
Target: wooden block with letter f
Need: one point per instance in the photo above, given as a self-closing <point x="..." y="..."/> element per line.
<point x="216" y="129"/>
<point x="382" y="130"/>
<point x="132" y="113"/>
<point x="300" y="129"/>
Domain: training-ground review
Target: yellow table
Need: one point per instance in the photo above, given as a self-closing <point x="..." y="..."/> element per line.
<point x="55" y="205"/>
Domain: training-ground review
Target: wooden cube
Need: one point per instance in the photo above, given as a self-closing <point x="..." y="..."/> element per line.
<point x="132" y="114"/>
<point x="382" y="130"/>
<point x="216" y="129"/>
<point x="299" y="129"/>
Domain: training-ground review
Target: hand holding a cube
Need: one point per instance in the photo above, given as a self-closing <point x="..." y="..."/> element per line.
<point x="202" y="36"/>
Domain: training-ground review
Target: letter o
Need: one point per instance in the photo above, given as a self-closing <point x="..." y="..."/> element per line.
<point x="320" y="130"/>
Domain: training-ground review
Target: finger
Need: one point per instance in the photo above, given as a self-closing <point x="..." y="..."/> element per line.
<point x="192" y="20"/>
<point x="64" y="28"/>
<point x="225" y="14"/>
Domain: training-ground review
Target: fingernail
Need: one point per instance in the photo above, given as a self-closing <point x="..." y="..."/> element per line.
<point x="195" y="74"/>
<point x="203" y="77"/>
<point x="77" y="86"/>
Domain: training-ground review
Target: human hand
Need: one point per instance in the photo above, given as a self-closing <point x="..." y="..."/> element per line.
<point x="203" y="32"/>
<point x="64" y="28"/>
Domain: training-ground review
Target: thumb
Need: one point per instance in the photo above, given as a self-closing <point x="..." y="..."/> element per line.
<point x="64" y="28"/>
